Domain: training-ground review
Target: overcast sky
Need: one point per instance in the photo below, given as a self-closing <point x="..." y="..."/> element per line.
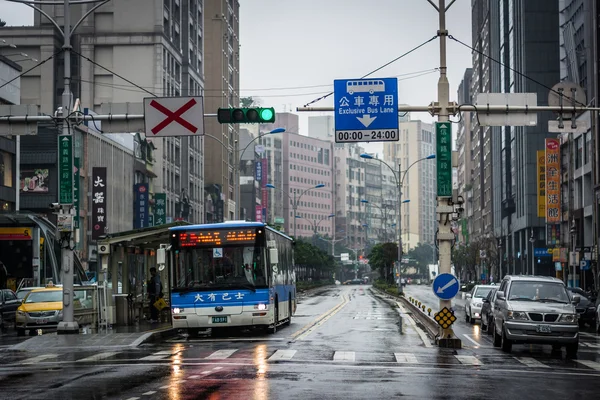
<point x="291" y="51"/>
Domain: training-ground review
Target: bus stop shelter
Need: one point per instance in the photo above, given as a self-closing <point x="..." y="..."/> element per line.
<point x="124" y="269"/>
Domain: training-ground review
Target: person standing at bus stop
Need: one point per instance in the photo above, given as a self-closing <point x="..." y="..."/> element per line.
<point x="154" y="293"/>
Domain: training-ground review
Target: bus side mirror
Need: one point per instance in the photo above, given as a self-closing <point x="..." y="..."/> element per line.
<point x="273" y="256"/>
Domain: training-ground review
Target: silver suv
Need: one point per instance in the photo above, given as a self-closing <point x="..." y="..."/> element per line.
<point x="535" y="309"/>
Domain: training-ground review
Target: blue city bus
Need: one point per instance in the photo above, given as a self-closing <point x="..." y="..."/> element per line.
<point x="231" y="274"/>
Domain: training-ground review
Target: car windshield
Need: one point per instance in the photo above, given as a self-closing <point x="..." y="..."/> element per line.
<point x="22" y="293"/>
<point x="482" y="292"/>
<point x="44" y="297"/>
<point x="226" y="267"/>
<point x="538" y="291"/>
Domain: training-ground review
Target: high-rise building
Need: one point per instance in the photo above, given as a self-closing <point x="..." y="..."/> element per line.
<point x="524" y="37"/>
<point x="465" y="157"/>
<point x="125" y="51"/>
<point x="417" y="179"/>
<point x="349" y="186"/>
<point x="322" y="127"/>
<point x="307" y="164"/>
<point x="578" y="21"/>
<point x="9" y="95"/>
<point x="221" y="61"/>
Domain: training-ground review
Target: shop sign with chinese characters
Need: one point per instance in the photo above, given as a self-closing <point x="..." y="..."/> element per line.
<point x="99" y="203"/>
<point x="160" y="209"/>
<point x="141" y="207"/>
<point x="553" y="200"/>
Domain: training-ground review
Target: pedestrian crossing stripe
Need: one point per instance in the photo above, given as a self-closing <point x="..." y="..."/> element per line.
<point x="337" y="357"/>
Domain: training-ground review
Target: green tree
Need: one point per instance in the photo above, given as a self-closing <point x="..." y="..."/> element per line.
<point x="423" y="254"/>
<point x="249" y="101"/>
<point x="382" y="257"/>
<point x="312" y="262"/>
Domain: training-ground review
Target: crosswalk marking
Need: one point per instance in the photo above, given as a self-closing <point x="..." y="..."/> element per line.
<point x="590" y="364"/>
<point x="221" y="354"/>
<point x="282" y="355"/>
<point x="344" y="356"/>
<point x="157" y="356"/>
<point x="405" y="358"/>
<point x="531" y="362"/>
<point x="37" y="359"/>
<point x="98" y="357"/>
<point x="469" y="360"/>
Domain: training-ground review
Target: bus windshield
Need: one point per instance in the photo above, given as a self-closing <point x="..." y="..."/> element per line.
<point x="220" y="268"/>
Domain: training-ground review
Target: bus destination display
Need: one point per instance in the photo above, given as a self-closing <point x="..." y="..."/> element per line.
<point x="217" y="238"/>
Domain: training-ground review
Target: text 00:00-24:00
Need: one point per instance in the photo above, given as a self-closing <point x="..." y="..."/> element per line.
<point x="367" y="136"/>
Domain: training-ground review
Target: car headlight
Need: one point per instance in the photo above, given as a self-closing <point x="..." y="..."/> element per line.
<point x="591" y="308"/>
<point x="517" y="315"/>
<point x="568" y="318"/>
<point x="477" y="304"/>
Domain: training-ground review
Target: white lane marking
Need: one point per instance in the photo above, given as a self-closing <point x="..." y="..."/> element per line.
<point x="531" y="362"/>
<point x="422" y="335"/>
<point x="205" y="372"/>
<point x="469" y="360"/>
<point x="217" y="368"/>
<point x="405" y="358"/>
<point x="221" y="354"/>
<point x="98" y="357"/>
<point x="157" y="356"/>
<point x="149" y="393"/>
<point x="34" y="360"/>
<point x="194" y="377"/>
<point x="282" y="355"/>
<point x="475" y="342"/>
<point x="133" y="398"/>
<point x="591" y="335"/>
<point x="590" y="364"/>
<point x="308" y="329"/>
<point x="165" y="387"/>
<point x="344" y="356"/>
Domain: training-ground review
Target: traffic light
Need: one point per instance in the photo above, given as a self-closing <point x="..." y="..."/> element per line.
<point x="253" y="115"/>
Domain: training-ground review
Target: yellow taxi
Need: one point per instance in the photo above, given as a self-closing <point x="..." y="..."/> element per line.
<point x="41" y="309"/>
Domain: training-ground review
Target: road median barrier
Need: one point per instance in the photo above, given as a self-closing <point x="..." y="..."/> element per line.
<point x="418" y="310"/>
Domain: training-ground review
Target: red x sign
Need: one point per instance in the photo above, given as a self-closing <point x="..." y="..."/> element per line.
<point x="173" y="116"/>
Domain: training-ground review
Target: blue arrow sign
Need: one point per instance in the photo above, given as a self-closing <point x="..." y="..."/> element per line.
<point x="366" y="110"/>
<point x="445" y="286"/>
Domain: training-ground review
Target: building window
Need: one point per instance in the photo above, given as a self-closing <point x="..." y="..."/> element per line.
<point x="6" y="169"/>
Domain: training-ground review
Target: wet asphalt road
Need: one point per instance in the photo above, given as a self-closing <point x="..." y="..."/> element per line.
<point x="344" y="343"/>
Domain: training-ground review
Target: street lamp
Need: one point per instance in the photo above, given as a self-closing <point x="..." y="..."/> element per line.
<point x="271" y="132"/>
<point x="399" y="184"/>
<point x="316" y="224"/>
<point x="572" y="259"/>
<point x="295" y="200"/>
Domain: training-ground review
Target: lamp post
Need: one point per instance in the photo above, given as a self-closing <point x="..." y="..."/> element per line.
<point x="316" y="224"/>
<point x="399" y="184"/>
<point x="572" y="259"/>
<point x="271" y="132"/>
<point x="295" y="200"/>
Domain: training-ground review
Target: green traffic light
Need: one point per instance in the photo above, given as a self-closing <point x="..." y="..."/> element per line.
<point x="266" y="114"/>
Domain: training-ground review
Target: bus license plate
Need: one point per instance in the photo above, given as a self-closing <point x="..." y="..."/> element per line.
<point x="219" y="320"/>
<point x="543" y="329"/>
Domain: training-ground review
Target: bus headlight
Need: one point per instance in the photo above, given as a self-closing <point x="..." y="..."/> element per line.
<point x="177" y="310"/>
<point x="261" y="306"/>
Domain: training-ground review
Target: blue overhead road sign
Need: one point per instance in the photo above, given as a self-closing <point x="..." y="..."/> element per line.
<point x="366" y="110"/>
<point x="445" y="286"/>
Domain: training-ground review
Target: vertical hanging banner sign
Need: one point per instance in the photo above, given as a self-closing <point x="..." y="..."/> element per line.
<point x="553" y="200"/>
<point x="99" y="208"/>
<point x="541" y="183"/>
<point x="76" y="199"/>
<point x="140" y="208"/>
<point x="265" y="191"/>
<point x="160" y="209"/>
<point x="443" y="156"/>
<point x="258" y="210"/>
<point x="65" y="169"/>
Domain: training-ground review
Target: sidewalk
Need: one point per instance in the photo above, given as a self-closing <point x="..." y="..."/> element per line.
<point x="118" y="337"/>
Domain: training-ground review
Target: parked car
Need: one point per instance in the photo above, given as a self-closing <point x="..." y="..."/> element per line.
<point x="487" y="311"/>
<point x="475" y="302"/>
<point x="8" y="306"/>
<point x="535" y="309"/>
<point x="586" y="309"/>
